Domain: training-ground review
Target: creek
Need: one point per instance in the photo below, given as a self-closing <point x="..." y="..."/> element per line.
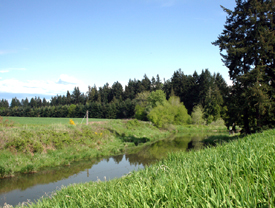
<point x="26" y="188"/>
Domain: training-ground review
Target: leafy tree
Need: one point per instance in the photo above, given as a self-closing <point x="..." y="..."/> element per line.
<point x="169" y="112"/>
<point x="155" y="98"/>
<point x="141" y="104"/>
<point x="71" y="111"/>
<point x="180" y="112"/>
<point x="248" y="39"/>
<point x="162" y="115"/>
<point x="197" y="115"/>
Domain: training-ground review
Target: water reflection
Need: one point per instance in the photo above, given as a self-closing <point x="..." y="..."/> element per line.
<point x="33" y="186"/>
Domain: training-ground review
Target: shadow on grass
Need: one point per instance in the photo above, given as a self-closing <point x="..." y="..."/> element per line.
<point x="219" y="139"/>
<point x="130" y="138"/>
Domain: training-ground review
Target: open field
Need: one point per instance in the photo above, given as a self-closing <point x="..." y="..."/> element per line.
<point x="48" y="121"/>
<point x="240" y="173"/>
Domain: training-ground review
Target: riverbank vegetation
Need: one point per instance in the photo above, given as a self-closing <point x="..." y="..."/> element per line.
<point x="29" y="148"/>
<point x="240" y="173"/>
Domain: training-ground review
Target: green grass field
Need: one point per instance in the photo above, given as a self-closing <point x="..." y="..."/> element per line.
<point x="48" y="121"/>
<point x="240" y="173"/>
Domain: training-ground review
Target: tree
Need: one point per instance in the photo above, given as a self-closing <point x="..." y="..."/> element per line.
<point x="15" y="103"/>
<point x="213" y="104"/>
<point x="141" y="103"/>
<point x="169" y="112"/>
<point x="248" y="39"/>
<point x="76" y="96"/>
<point x="197" y="115"/>
<point x="116" y="91"/>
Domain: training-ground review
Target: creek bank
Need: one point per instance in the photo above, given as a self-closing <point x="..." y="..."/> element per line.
<point x="34" y="186"/>
<point x="236" y="174"/>
<point x="28" y="149"/>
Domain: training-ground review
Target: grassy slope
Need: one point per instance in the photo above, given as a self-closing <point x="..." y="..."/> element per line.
<point x="238" y="174"/>
<point x="28" y="148"/>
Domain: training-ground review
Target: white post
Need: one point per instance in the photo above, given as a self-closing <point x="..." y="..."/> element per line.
<point x="87" y="116"/>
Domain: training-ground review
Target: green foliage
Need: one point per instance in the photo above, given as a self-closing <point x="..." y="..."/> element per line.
<point x="170" y="112"/>
<point x="155" y="98"/>
<point x="197" y="115"/>
<point x="133" y="124"/>
<point x="140" y="109"/>
<point x="162" y="115"/>
<point x="218" y="122"/>
<point x="27" y="169"/>
<point x="2" y="171"/>
<point x="71" y="111"/>
<point x="248" y="42"/>
<point x="180" y="112"/>
<point x="146" y="101"/>
<point x="140" y="113"/>
<point x="213" y="105"/>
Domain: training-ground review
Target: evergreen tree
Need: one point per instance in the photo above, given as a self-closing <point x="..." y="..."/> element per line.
<point x="158" y="83"/>
<point x="15" y="103"/>
<point x="248" y="39"/>
<point x="76" y="95"/>
<point x="146" y="83"/>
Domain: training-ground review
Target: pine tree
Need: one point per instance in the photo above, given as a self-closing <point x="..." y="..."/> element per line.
<point x="249" y="39"/>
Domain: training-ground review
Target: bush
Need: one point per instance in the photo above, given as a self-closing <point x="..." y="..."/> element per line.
<point x="2" y="171"/>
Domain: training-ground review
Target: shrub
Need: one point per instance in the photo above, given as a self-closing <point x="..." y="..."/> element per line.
<point x="2" y="171"/>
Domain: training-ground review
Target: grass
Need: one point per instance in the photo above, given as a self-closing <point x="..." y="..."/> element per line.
<point x="240" y="173"/>
<point x="47" y="121"/>
<point x="30" y="148"/>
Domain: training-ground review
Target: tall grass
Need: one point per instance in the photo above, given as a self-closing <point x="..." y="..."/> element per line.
<point x="240" y="173"/>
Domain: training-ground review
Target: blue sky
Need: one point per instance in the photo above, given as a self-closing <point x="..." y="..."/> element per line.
<point x="49" y="47"/>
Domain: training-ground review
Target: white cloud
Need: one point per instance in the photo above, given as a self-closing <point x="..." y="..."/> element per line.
<point x="11" y="69"/>
<point x="46" y="87"/>
<point x="66" y="79"/>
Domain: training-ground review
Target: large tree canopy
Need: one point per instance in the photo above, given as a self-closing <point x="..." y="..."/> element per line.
<point x="248" y="41"/>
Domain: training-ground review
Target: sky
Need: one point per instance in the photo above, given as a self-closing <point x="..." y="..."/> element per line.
<point x="50" y="46"/>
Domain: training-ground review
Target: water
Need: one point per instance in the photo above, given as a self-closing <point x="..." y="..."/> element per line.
<point x="30" y="187"/>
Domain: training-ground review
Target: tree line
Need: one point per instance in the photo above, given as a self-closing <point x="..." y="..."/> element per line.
<point x="114" y="101"/>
